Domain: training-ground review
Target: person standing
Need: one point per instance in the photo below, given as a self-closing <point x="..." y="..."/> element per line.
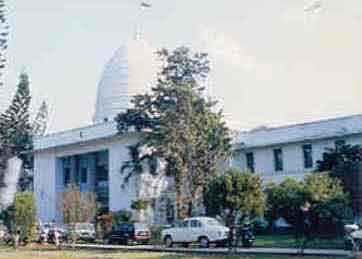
<point x="56" y="238"/>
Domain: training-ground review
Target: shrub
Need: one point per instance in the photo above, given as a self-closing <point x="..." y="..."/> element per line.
<point x="25" y="215"/>
<point x="122" y="216"/>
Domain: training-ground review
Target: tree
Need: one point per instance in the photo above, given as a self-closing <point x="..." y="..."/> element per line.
<point x="179" y="127"/>
<point x="40" y="123"/>
<point x="234" y="193"/>
<point x="323" y="194"/>
<point x="25" y="215"/>
<point x="15" y="126"/>
<point x="77" y="206"/>
<point x="344" y="163"/>
<point x="285" y="199"/>
<point x="345" y="155"/>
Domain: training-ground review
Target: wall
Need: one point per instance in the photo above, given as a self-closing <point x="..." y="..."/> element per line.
<point x="47" y="185"/>
<point x="292" y="157"/>
<point x="45" y="173"/>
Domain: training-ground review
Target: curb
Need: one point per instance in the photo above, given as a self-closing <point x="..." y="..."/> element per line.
<point x="215" y="251"/>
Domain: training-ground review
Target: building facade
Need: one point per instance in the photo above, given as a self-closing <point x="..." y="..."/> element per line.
<point x="293" y="150"/>
<point x="93" y="156"/>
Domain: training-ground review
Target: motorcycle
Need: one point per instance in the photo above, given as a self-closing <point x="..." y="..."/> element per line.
<point x="247" y="235"/>
<point x="353" y="237"/>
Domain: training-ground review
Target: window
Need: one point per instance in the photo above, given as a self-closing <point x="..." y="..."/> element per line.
<point x="185" y="224"/>
<point x="250" y="161"/>
<point x="278" y="159"/>
<point x="84" y="175"/>
<point x="307" y="156"/>
<point x="339" y="143"/>
<point x="195" y="224"/>
<point x="66" y="176"/>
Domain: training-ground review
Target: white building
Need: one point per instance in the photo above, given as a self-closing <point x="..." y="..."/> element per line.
<point x="94" y="155"/>
<point x="293" y="150"/>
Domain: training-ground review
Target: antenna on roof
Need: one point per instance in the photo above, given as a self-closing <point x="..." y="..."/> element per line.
<point x="143" y="6"/>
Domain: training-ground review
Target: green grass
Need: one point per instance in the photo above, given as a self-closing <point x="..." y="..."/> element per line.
<point x="48" y="252"/>
<point x="288" y="241"/>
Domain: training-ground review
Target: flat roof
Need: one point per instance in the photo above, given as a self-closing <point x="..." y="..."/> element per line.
<point x="321" y="129"/>
<point x="78" y="135"/>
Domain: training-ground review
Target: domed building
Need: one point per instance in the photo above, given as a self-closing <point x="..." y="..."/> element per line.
<point x="93" y="156"/>
<point x="131" y="71"/>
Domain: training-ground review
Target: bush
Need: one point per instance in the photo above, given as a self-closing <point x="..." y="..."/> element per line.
<point x="25" y="215"/>
<point x="122" y="216"/>
<point x="156" y="233"/>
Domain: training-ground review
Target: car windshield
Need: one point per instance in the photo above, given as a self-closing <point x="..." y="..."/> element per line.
<point x="140" y="226"/>
<point x="85" y="227"/>
<point x="213" y="222"/>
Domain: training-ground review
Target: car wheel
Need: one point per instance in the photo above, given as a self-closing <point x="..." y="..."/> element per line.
<point x="204" y="242"/>
<point x="186" y="245"/>
<point x="126" y="242"/>
<point x="168" y="241"/>
<point x="107" y="241"/>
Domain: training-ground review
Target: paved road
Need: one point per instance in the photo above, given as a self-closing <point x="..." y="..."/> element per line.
<point x="253" y="250"/>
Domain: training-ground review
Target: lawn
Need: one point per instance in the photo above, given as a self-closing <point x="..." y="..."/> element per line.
<point x="287" y="241"/>
<point x="51" y="253"/>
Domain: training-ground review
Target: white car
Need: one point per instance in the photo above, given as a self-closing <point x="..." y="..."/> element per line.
<point x="202" y="230"/>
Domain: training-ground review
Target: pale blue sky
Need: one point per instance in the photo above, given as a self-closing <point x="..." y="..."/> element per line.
<point x="273" y="62"/>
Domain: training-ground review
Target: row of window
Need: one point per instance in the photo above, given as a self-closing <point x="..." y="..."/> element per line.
<point x="83" y="176"/>
<point x="307" y="150"/>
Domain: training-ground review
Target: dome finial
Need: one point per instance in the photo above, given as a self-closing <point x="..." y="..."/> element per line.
<point x="138" y="30"/>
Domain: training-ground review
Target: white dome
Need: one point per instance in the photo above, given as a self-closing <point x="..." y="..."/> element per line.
<point x="132" y="70"/>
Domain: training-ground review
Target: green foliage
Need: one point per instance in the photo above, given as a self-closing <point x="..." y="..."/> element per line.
<point x="324" y="194"/>
<point x="344" y="163"/>
<point x="286" y="198"/>
<point x="179" y="126"/>
<point x="139" y="204"/>
<point x="122" y="216"/>
<point x="25" y="214"/>
<point x="40" y="122"/>
<point x="15" y="127"/>
<point x="345" y="155"/>
<point x="235" y="192"/>
<point x="327" y="197"/>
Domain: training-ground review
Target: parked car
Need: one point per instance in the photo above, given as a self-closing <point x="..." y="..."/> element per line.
<point x="63" y="233"/>
<point x="85" y="232"/>
<point x="128" y="233"/>
<point x="202" y="230"/>
<point x="5" y="234"/>
<point x="282" y="226"/>
<point x="3" y="231"/>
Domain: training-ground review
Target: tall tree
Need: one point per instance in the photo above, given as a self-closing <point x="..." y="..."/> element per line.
<point x="40" y="123"/>
<point x="345" y="164"/>
<point x="15" y="126"/>
<point x="180" y="126"/>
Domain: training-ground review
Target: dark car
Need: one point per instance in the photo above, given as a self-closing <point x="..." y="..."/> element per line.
<point x="128" y="233"/>
<point x="63" y="234"/>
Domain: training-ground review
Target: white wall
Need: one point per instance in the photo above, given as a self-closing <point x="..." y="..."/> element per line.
<point x="119" y="198"/>
<point x="45" y="172"/>
<point x="293" y="161"/>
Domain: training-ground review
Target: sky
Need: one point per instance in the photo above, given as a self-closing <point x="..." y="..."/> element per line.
<point x="274" y="62"/>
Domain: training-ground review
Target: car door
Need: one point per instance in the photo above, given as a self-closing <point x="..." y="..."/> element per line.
<point x="195" y="230"/>
<point x="185" y="231"/>
<point x="178" y="234"/>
